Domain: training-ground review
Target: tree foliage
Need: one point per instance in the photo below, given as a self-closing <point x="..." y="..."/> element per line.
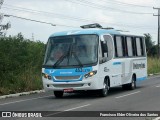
<point x="20" y="64"/>
<point x="151" y="48"/>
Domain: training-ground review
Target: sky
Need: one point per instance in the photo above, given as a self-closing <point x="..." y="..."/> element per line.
<point x="134" y="16"/>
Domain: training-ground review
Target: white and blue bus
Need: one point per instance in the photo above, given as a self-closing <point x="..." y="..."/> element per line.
<point x="93" y="59"/>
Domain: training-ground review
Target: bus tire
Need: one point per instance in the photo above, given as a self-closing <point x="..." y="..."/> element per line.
<point x="104" y="92"/>
<point x="58" y="94"/>
<point x="132" y="85"/>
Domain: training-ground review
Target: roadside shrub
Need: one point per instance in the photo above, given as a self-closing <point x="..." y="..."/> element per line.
<point x="20" y="64"/>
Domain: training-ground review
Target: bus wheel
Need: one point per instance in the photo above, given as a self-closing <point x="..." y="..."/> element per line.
<point x="58" y="94"/>
<point x="104" y="91"/>
<point x="132" y="85"/>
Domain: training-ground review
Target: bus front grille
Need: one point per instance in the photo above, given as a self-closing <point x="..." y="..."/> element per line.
<point x="67" y="77"/>
<point x="68" y="85"/>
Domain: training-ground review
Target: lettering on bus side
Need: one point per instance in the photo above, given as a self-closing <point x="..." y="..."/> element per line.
<point x="106" y="69"/>
<point x="138" y="66"/>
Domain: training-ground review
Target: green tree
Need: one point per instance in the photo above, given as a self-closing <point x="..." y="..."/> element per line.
<point x="154" y="50"/>
<point x="149" y="42"/>
<point x="20" y="64"/>
<point x="151" y="48"/>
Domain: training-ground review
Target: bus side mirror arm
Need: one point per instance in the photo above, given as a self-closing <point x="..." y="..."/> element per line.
<point x="104" y="47"/>
<point x="102" y="60"/>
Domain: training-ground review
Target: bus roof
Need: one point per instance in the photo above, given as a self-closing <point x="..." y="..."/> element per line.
<point x="86" y="31"/>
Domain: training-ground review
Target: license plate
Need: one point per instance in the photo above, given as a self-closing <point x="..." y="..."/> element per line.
<point x="68" y="90"/>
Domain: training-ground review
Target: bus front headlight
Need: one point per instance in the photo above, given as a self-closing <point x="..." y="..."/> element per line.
<point x="90" y="74"/>
<point x="46" y="76"/>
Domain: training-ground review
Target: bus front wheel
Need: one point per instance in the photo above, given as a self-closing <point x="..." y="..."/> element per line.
<point x="104" y="91"/>
<point x="58" y="94"/>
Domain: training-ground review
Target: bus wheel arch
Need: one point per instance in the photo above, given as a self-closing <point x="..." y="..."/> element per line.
<point x="108" y="80"/>
<point x="134" y="75"/>
<point x="132" y="84"/>
<point x="106" y="84"/>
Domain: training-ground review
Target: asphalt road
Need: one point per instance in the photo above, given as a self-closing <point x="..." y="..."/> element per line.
<point x="146" y="97"/>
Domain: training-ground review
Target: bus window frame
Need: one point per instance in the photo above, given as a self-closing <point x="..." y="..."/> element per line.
<point x="132" y="38"/>
<point x="85" y="65"/>
<point x="115" y="46"/>
<point x="142" y="45"/>
<point x="102" y="39"/>
<point x="134" y="46"/>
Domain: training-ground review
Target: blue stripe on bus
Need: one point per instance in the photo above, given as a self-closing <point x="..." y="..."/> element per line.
<point x="116" y="63"/>
<point x="141" y="78"/>
<point x="68" y="72"/>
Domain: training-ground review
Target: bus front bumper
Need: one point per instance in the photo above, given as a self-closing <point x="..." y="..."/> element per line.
<point x="89" y="84"/>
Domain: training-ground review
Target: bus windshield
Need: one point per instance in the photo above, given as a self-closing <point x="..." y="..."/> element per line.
<point x="69" y="51"/>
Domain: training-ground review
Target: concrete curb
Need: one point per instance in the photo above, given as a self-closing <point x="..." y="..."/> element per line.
<point x="150" y="74"/>
<point x="20" y="94"/>
<point x="154" y="74"/>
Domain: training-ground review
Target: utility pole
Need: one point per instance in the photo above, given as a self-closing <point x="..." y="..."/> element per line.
<point x="158" y="31"/>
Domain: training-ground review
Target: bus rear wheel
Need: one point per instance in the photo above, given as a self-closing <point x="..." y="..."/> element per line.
<point x="58" y="94"/>
<point x="104" y="92"/>
<point x="130" y="86"/>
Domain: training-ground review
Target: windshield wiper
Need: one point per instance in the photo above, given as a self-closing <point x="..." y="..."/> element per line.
<point x="68" y="54"/>
<point x="62" y="57"/>
<point x="76" y="57"/>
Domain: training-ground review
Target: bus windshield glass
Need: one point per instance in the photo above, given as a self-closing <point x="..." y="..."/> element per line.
<point x="69" y="51"/>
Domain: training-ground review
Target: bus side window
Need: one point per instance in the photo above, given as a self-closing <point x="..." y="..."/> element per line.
<point x="129" y="46"/>
<point x="134" y="47"/>
<point x="119" y="52"/>
<point x="142" y="46"/>
<point x="109" y="43"/>
<point x="115" y="48"/>
<point x="124" y="46"/>
<point x="104" y="48"/>
<point x="139" y="47"/>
